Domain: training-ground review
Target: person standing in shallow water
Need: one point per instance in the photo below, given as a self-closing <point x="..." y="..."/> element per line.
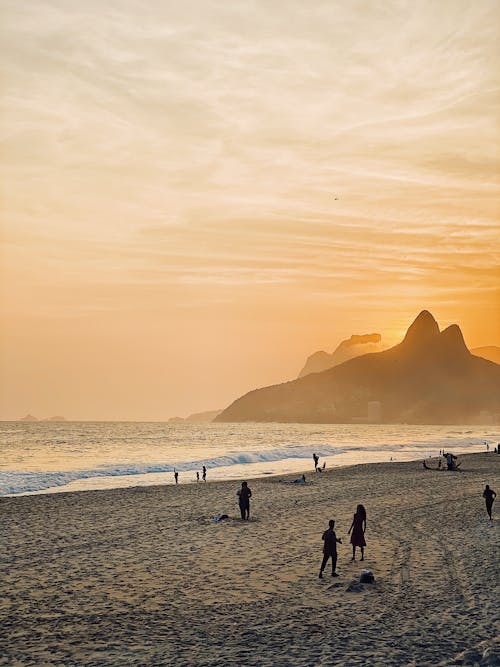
<point x="489" y="495"/>
<point x="330" y="540"/>
<point x="244" y="495"/>
<point x="358" y="527"/>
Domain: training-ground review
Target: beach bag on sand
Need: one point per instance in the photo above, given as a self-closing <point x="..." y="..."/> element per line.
<point x="366" y="577"/>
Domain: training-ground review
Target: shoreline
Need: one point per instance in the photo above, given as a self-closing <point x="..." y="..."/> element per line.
<point x="143" y="575"/>
<point x="141" y="480"/>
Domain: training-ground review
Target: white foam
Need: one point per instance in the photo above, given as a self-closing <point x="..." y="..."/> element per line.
<point x="21" y="482"/>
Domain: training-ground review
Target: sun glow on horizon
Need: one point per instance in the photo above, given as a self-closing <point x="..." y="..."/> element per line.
<point x="198" y="196"/>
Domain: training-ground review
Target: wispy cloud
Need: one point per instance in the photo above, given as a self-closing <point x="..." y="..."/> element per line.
<point x="249" y="157"/>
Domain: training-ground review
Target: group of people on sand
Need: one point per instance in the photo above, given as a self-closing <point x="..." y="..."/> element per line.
<point x="203" y="475"/>
<point x="356" y="531"/>
<point x="330" y="540"/>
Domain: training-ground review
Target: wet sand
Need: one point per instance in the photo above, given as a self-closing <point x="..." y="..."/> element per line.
<point x="143" y="576"/>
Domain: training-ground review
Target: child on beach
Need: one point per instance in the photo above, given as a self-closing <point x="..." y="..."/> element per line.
<point x="330" y="540"/>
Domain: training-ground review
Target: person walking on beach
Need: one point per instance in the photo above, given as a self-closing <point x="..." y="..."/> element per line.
<point x="330" y="540"/>
<point x="244" y="495"/>
<point x="176" y="476"/>
<point x="316" y="461"/>
<point x="204" y="474"/>
<point x="489" y="495"/>
<point x="197" y="476"/>
<point x="358" y="527"/>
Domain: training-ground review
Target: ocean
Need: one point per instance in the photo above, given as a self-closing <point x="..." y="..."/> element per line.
<point x="47" y="457"/>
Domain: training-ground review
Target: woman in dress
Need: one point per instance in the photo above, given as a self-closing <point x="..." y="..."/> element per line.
<point x="358" y="528"/>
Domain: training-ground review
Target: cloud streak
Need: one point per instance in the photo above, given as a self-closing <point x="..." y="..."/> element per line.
<point x="252" y="158"/>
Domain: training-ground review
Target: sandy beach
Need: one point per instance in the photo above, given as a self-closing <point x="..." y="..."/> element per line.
<point x="143" y="576"/>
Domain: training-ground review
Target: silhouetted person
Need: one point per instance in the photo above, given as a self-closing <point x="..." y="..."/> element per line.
<point x="330" y="540"/>
<point x="316" y="460"/>
<point x="204" y="474"/>
<point x="300" y="480"/>
<point x="197" y="476"/>
<point x="176" y="476"/>
<point x="451" y="461"/>
<point x="244" y="495"/>
<point x="358" y="527"/>
<point x="489" y="495"/>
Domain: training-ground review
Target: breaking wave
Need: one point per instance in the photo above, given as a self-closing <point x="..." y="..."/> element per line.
<point x="13" y="482"/>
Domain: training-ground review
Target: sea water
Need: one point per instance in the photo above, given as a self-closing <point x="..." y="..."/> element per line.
<point x="47" y="457"/>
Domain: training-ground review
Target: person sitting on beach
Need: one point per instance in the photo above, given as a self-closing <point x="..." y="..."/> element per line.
<point x="358" y="527"/>
<point x="489" y="495"/>
<point x="451" y="461"/>
<point x="299" y="480"/>
<point x="244" y="495"/>
<point x="330" y="540"/>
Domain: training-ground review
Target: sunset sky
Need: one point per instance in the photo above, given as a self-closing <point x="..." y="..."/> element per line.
<point x="197" y="195"/>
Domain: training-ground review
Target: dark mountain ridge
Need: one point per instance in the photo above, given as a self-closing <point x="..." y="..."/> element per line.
<point x="354" y="346"/>
<point x="430" y="377"/>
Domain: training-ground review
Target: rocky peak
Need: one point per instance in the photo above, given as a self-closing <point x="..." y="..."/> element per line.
<point x="453" y="340"/>
<point x="423" y="329"/>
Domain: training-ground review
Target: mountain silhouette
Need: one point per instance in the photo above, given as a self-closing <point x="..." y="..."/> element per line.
<point x="28" y="418"/>
<point x="430" y="377"/>
<point x="491" y="352"/>
<point x="354" y="346"/>
<point x="197" y="417"/>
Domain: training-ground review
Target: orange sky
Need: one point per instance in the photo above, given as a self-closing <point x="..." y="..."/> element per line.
<point x="196" y="196"/>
